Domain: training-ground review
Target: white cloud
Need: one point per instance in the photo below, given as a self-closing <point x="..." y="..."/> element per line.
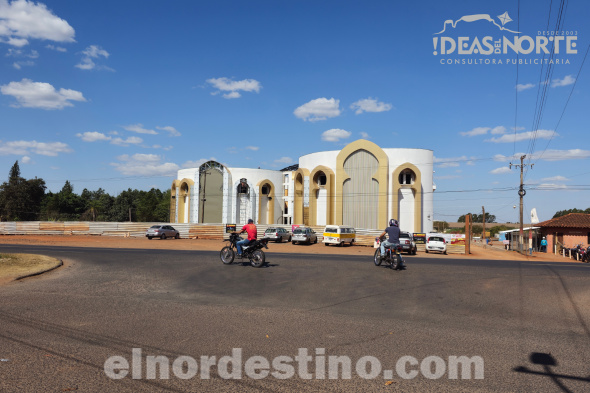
<point x="548" y="155"/>
<point x="171" y="130"/>
<point x="476" y="131"/>
<point x="498" y="130"/>
<point x="364" y="135"/>
<point x="132" y="140"/>
<point x="551" y="186"/>
<point x="370" y="105"/>
<point x="99" y="136"/>
<point x="503" y="158"/>
<point x="139" y="129"/>
<point x="234" y="87"/>
<point x="560" y="155"/>
<point x="21" y="20"/>
<point x="197" y="163"/>
<point x="521" y="87"/>
<point x="29" y="147"/>
<point x="556" y="178"/>
<point x="523" y="136"/>
<point x="33" y="54"/>
<point x="41" y="95"/>
<point x="567" y="80"/>
<point x="56" y="48"/>
<point x="233" y="94"/>
<point x="447" y="177"/>
<point x="90" y="53"/>
<point x="335" y="134"/>
<point x="517" y="128"/>
<point x="500" y="171"/>
<point x="253" y="148"/>
<point x="453" y="162"/>
<point x="284" y="160"/>
<point x="144" y="165"/>
<point x="20" y="64"/>
<point x="449" y="164"/>
<point x="318" y="109"/>
<point x="93" y="136"/>
<point x="25" y="160"/>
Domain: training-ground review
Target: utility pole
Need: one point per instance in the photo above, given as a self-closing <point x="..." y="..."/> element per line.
<point x="521" y="194"/>
<point x="483" y="220"/>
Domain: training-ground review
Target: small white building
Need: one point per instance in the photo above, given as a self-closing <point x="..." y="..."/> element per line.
<point x="361" y="185"/>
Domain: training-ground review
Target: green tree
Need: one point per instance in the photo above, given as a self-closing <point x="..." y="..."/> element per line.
<point x="70" y="204"/>
<point x="574" y="210"/>
<point x="497" y="229"/>
<point x="490" y="218"/>
<point x="440" y="226"/>
<point x="123" y="204"/>
<point x="20" y="199"/>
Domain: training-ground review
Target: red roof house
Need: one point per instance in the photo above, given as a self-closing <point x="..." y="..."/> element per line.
<point x="566" y="231"/>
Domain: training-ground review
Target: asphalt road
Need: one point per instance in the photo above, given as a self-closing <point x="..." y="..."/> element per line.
<point x="528" y="322"/>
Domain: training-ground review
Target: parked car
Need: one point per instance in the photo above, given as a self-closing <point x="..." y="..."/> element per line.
<point x="436" y="243"/>
<point x="406" y="240"/>
<point x="278" y="234"/>
<point x="162" y="231"/>
<point x="304" y="235"/>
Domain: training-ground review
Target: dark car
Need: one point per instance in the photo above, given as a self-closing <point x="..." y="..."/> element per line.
<point x="406" y="240"/>
<point x="162" y="231"/>
<point x="277" y="234"/>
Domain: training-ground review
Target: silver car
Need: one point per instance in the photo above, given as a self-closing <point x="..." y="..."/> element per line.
<point x="406" y="240"/>
<point x="277" y="234"/>
<point x="304" y="235"/>
<point x="162" y="231"/>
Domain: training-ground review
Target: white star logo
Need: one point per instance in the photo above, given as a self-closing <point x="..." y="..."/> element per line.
<point x="504" y="18"/>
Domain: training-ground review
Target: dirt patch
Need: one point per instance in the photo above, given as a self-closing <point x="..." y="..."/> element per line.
<point x="16" y="266"/>
<point x="477" y="251"/>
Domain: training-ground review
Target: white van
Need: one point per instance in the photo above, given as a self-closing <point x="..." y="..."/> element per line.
<point x="339" y="234"/>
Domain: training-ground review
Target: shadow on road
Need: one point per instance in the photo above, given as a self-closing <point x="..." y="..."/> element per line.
<point x="547" y="362"/>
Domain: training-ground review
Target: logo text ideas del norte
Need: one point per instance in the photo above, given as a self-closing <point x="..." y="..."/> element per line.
<point x="547" y="47"/>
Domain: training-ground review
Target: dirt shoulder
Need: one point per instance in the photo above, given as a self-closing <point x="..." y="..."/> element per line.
<point x="477" y="251"/>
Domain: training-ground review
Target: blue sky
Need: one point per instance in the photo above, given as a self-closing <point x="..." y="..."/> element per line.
<point x="122" y="94"/>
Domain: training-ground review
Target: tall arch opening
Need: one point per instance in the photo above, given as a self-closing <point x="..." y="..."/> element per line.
<point x="210" y="192"/>
<point x="266" y="202"/>
<point x="361" y="190"/>
<point x="184" y="203"/>
<point x="243" y="202"/>
<point x="298" y="208"/>
<point x="361" y="185"/>
<point x="407" y="193"/>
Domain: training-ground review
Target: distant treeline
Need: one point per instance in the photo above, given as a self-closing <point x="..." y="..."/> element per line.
<point x="27" y="200"/>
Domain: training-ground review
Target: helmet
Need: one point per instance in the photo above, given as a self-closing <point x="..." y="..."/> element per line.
<point x="393" y="223"/>
<point x="250" y="221"/>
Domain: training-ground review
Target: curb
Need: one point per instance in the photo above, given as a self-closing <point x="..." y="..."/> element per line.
<point x="41" y="272"/>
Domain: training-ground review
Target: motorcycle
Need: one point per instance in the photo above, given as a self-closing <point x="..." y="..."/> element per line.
<point x="578" y="252"/>
<point x="392" y="256"/>
<point x="253" y="251"/>
<point x="586" y="255"/>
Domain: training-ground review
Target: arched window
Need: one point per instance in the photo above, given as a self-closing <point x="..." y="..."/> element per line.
<point x="243" y="187"/>
<point x="407" y="177"/>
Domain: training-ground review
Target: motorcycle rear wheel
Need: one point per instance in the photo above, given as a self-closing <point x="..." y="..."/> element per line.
<point x="227" y="255"/>
<point x="258" y="258"/>
<point x="394" y="261"/>
<point x="376" y="258"/>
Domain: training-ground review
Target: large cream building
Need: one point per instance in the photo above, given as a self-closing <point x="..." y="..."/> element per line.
<point x="362" y="185"/>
